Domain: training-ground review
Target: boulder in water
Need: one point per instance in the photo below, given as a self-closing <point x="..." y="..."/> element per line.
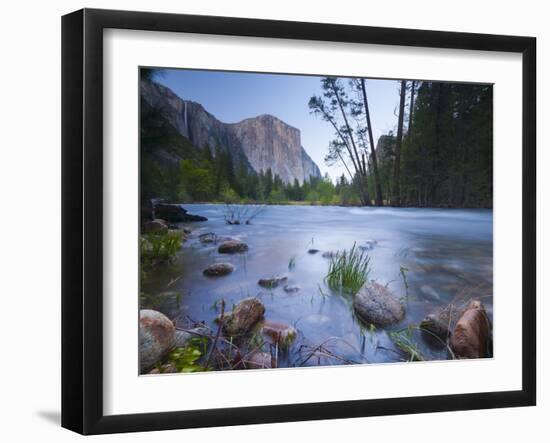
<point x="470" y="338"/>
<point x="232" y="247"/>
<point x="156" y="338"/>
<point x="272" y="282"/>
<point x="218" y="269"/>
<point x="244" y="316"/>
<point x="375" y="304"/>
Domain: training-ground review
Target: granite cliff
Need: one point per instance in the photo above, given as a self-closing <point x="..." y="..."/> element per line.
<point x="261" y="142"/>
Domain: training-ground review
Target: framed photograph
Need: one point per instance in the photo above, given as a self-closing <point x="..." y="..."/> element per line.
<point x="269" y="221"/>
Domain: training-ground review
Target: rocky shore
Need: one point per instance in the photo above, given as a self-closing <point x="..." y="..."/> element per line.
<point x="246" y="337"/>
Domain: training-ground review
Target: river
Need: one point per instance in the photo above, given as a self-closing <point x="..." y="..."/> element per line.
<point x="429" y="258"/>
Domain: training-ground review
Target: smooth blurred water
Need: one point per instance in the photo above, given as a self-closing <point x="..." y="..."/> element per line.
<point x="448" y="254"/>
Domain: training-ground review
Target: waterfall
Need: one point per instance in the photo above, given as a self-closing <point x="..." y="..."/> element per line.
<point x="185" y="119"/>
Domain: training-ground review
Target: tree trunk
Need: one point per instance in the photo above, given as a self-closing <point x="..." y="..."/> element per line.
<point x="359" y="169"/>
<point x="396" y="191"/>
<point x="411" y="111"/>
<point x="378" y="188"/>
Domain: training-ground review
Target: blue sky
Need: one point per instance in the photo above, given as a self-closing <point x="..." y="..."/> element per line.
<point x="232" y="97"/>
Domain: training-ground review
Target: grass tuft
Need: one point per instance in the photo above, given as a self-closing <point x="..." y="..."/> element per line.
<point x="348" y="271"/>
<point x="405" y="342"/>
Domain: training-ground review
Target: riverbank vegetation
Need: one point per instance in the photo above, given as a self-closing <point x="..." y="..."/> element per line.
<point x="440" y="154"/>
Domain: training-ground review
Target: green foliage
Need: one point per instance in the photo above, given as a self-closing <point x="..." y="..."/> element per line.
<point x="348" y="271"/>
<point x="404" y="340"/>
<point x="158" y="248"/>
<point x="447" y="157"/>
<point x="186" y="359"/>
<point x="403" y="273"/>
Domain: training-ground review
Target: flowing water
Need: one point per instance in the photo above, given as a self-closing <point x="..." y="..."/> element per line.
<point x="443" y="256"/>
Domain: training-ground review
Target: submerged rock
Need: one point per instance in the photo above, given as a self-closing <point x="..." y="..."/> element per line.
<point x="435" y="328"/>
<point x="232" y="246"/>
<point x="272" y="282"/>
<point x="375" y="304"/>
<point x="208" y="237"/>
<point x="470" y="338"/>
<point x="278" y="333"/>
<point x="368" y="245"/>
<point x="259" y="360"/>
<point x="219" y="269"/>
<point x="244" y="316"/>
<point x="157" y="226"/>
<point x="291" y="289"/>
<point x="317" y="319"/>
<point x="429" y="293"/>
<point x="156" y="338"/>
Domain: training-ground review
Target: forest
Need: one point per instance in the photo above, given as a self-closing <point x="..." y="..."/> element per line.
<point x="440" y="154"/>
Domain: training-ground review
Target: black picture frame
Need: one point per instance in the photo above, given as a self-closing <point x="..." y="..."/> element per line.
<point x="82" y="218"/>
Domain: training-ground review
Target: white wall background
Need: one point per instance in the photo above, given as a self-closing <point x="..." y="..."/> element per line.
<point x="30" y="223"/>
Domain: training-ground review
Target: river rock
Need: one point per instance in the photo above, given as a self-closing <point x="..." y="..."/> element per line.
<point x="272" y="282"/>
<point x="435" y="328"/>
<point x="429" y="293"/>
<point x="291" y="289"/>
<point x="375" y="304"/>
<point x="232" y="246"/>
<point x="259" y="360"/>
<point x="368" y="245"/>
<point x="156" y="337"/>
<point x="181" y="339"/>
<point x="278" y="333"/>
<point x="219" y="269"/>
<point x="470" y="337"/>
<point x="208" y="237"/>
<point x="167" y="368"/>
<point x="175" y="213"/>
<point x="156" y="226"/>
<point x="312" y="251"/>
<point x="244" y="316"/>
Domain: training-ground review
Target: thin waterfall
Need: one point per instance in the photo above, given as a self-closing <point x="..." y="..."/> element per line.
<point x="185" y="118"/>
